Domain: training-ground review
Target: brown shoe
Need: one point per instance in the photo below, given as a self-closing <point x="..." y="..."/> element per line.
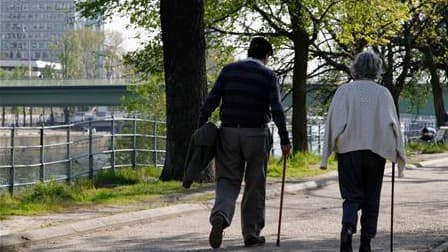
<point x="215" y="238"/>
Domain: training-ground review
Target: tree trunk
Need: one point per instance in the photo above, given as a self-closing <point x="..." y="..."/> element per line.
<point x="185" y="77"/>
<point x="439" y="108"/>
<point x="31" y="116"/>
<point x="437" y="93"/>
<point x="299" y="123"/>
<point x="24" y="116"/>
<point x="3" y="116"/>
<point x="388" y="77"/>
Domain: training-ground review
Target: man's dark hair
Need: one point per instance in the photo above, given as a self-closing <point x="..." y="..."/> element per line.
<point x="259" y="48"/>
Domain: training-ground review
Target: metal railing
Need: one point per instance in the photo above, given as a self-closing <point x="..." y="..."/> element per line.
<point x="61" y="82"/>
<point x="53" y="153"/>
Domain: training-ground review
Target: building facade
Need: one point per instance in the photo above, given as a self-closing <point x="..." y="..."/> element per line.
<point x="29" y="27"/>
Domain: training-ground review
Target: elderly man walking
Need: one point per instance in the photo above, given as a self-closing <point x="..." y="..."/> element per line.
<point x="249" y="96"/>
<point x="363" y="129"/>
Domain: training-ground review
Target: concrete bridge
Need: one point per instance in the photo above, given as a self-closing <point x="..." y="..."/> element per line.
<point x="63" y="92"/>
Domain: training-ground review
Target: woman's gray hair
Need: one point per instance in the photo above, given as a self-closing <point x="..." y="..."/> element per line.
<point x="367" y="65"/>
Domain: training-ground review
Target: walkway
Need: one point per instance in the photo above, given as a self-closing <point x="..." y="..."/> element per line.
<point x="311" y="222"/>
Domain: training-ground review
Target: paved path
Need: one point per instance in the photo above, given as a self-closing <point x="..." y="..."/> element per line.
<point x="310" y="223"/>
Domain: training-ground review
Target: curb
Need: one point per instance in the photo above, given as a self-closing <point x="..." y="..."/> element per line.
<point x="431" y="163"/>
<point x="11" y="241"/>
<point x="441" y="248"/>
<point x="329" y="178"/>
<point x="14" y="240"/>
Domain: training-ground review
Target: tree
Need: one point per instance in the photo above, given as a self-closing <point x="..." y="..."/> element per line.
<point x="182" y="29"/>
<point x="113" y="53"/>
<point x="79" y="52"/>
<point x="302" y="30"/>
<point x="434" y="50"/>
<point x="69" y="51"/>
<point x="92" y="50"/>
<point x="183" y="39"/>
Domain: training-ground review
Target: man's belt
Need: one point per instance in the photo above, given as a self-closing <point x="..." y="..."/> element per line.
<point x="243" y="125"/>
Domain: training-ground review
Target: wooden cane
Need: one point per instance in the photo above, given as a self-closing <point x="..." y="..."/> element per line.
<point x="281" y="201"/>
<point x="392" y="210"/>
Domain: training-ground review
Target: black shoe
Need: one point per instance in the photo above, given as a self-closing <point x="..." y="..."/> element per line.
<point x="254" y="241"/>
<point x="187" y="184"/>
<point x="365" y="244"/>
<point x="346" y="239"/>
<point x="215" y="238"/>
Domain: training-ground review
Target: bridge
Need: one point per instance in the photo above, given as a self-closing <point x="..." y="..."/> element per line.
<point x="61" y="93"/>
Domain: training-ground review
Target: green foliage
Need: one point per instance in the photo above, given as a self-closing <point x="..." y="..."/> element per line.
<point x="3" y="74"/>
<point x="372" y="22"/>
<point x="416" y="93"/>
<point x="18" y="73"/>
<point x="78" y="52"/>
<point x="48" y="72"/>
<point x="142" y="13"/>
<point x="300" y="165"/>
<point x="69" y="51"/>
<point x="149" y="98"/>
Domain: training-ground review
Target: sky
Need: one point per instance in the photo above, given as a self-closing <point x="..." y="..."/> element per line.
<point x="118" y="23"/>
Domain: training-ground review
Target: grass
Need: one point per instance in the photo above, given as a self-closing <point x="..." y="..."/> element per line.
<point x="301" y="165"/>
<point x="125" y="186"/>
<point x="425" y="148"/>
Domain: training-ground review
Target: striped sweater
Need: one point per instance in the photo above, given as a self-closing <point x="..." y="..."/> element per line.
<point x="249" y="94"/>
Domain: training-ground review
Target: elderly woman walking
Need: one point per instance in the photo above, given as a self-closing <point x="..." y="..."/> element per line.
<point x="362" y="128"/>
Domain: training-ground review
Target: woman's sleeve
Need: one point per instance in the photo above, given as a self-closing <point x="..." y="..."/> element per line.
<point x="334" y="125"/>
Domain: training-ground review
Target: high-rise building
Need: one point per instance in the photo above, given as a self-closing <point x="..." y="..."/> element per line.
<point x="28" y="27"/>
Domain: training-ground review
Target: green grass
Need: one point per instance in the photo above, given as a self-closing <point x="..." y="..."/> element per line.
<point x="425" y="148"/>
<point x="300" y="165"/>
<point x="127" y="185"/>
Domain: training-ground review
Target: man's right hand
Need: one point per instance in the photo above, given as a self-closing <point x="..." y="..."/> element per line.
<point x="286" y="149"/>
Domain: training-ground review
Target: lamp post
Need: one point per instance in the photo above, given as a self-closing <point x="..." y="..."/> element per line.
<point x="29" y="51"/>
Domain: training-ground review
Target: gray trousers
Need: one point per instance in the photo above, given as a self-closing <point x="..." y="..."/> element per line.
<point x="360" y="179"/>
<point x="242" y="153"/>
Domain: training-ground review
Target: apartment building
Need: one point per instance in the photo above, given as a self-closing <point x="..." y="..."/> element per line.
<point x="28" y="27"/>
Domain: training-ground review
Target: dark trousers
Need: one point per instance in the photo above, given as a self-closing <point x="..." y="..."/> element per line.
<point x="242" y="153"/>
<point x="360" y="179"/>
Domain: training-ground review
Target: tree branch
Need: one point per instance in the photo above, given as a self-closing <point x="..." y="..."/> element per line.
<point x="216" y="29"/>
<point x="276" y="27"/>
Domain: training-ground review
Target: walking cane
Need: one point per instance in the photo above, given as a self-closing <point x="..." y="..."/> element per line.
<point x="392" y="210"/>
<point x="281" y="201"/>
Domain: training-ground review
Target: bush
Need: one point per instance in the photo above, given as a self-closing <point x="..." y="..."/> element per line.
<point x="126" y="176"/>
<point x="50" y="192"/>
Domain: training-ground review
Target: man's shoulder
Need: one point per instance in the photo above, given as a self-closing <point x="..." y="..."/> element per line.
<point x="249" y="65"/>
